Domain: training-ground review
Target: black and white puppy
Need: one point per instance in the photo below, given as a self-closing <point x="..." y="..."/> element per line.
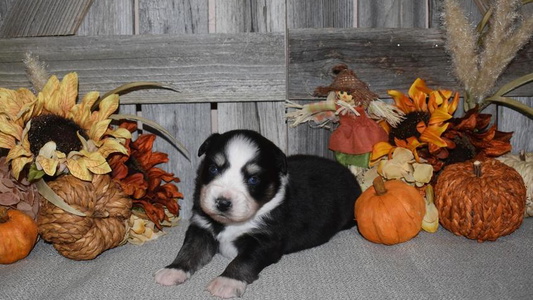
<point x="253" y="204"/>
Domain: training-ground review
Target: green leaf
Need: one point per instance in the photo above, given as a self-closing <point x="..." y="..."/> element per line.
<point x="514" y="84"/>
<point x="34" y="173"/>
<point x="484" y="21"/>
<point x="509" y="102"/>
<point x="53" y="198"/>
<point x="157" y="127"/>
<point x="125" y="88"/>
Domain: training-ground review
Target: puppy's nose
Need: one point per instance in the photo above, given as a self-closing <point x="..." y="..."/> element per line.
<point x="223" y="204"/>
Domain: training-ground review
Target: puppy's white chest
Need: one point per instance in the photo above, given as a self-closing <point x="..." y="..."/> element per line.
<point x="226" y="246"/>
<point x="227" y="237"/>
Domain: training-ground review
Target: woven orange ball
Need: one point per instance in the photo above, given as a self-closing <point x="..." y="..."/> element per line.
<point x="480" y="200"/>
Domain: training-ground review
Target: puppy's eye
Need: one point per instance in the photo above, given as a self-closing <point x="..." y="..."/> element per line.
<point x="213" y="170"/>
<point x="254" y="180"/>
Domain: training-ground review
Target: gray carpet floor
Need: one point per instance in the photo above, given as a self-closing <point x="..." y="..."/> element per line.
<point x="430" y="266"/>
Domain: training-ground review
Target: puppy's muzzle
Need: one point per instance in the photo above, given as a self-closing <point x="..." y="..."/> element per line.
<point x="223" y="204"/>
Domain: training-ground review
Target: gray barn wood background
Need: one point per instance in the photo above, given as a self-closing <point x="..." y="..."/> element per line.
<point x="236" y="61"/>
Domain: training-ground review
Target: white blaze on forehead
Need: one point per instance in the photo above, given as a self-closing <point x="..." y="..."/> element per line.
<point x="240" y="150"/>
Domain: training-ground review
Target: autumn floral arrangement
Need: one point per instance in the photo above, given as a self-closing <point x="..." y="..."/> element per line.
<point x="416" y="141"/>
<point x="74" y="167"/>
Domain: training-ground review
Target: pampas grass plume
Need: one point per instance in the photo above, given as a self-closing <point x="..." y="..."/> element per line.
<point x="507" y="34"/>
<point x="479" y="65"/>
<point x="461" y="43"/>
<point x="35" y="71"/>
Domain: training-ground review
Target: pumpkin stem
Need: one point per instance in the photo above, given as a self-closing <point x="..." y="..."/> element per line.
<point x="3" y="214"/>
<point x="522" y="155"/>
<point x="477" y="168"/>
<point x="379" y="186"/>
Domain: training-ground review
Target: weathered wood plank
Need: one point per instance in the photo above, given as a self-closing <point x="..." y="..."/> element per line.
<point x="384" y="58"/>
<point x="392" y="13"/>
<point x="173" y="17"/>
<point x="262" y="16"/>
<point x="108" y="17"/>
<point x="320" y="14"/>
<point x="245" y="67"/>
<point x="188" y="122"/>
<point x="204" y="67"/>
<point x="435" y="13"/>
<point x="5" y="7"/>
<point x="315" y="14"/>
<point x="520" y="125"/>
<point x="44" y="18"/>
<point x="265" y="117"/>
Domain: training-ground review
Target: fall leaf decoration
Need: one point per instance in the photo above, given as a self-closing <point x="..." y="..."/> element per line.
<point x="20" y="195"/>
<point x="151" y="188"/>
<point x="475" y="138"/>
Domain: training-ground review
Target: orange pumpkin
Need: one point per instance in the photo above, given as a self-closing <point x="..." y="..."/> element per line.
<point x="389" y="212"/>
<point x="18" y="234"/>
<point x="480" y="200"/>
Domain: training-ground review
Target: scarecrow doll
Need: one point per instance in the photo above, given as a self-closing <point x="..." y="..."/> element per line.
<point x="352" y="111"/>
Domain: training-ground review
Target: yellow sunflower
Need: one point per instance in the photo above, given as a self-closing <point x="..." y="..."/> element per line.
<point x="426" y="112"/>
<point x="55" y="134"/>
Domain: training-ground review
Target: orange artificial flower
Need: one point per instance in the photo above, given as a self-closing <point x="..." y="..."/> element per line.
<point x="141" y="180"/>
<point x="426" y="114"/>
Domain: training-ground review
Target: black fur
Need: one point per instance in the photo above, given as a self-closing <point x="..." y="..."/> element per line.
<point x="319" y="202"/>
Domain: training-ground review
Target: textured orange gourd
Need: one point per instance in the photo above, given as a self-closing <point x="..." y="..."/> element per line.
<point x="18" y="234"/>
<point x="481" y="200"/>
<point x="389" y="212"/>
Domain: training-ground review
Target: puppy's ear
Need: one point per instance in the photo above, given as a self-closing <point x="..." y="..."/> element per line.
<point x="281" y="160"/>
<point x="207" y="143"/>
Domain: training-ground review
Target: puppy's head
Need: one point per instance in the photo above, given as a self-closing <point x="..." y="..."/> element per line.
<point x="240" y="173"/>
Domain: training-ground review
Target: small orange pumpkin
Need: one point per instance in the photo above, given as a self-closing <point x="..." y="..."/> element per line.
<point x="18" y="235"/>
<point x="389" y="212"/>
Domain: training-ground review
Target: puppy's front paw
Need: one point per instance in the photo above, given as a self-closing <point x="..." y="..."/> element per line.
<point x="225" y="287"/>
<point x="168" y="276"/>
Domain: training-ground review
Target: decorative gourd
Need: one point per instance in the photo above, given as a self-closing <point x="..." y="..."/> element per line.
<point x="18" y="234"/>
<point x="389" y="212"/>
<point x="523" y="164"/>
<point x="480" y="200"/>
